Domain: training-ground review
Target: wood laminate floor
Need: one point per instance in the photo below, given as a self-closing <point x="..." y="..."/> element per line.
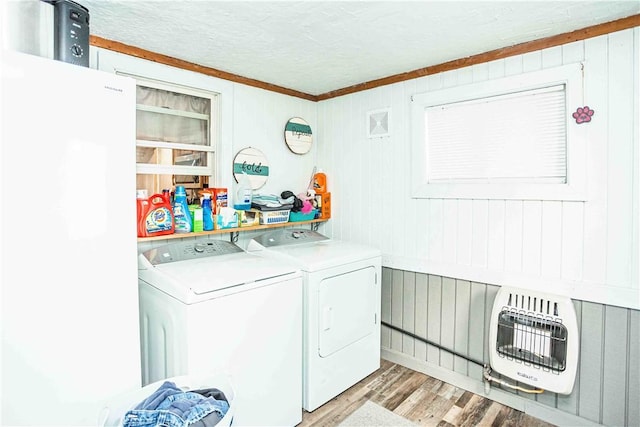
<point x="419" y="398"/>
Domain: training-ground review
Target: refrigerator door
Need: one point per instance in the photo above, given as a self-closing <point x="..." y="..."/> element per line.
<point x="70" y="336"/>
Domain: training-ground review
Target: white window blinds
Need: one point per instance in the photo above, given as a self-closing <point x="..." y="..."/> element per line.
<point x="508" y="137"/>
<point x="516" y="137"/>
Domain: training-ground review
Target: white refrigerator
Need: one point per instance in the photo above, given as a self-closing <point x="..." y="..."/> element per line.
<point x="70" y="335"/>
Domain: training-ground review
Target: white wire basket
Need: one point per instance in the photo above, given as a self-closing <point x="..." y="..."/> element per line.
<point x="273" y="217"/>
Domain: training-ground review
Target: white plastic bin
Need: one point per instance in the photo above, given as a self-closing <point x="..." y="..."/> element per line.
<point x="113" y="413"/>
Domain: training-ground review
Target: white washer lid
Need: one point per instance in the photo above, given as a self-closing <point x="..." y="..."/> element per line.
<point x="324" y="254"/>
<point x="210" y="274"/>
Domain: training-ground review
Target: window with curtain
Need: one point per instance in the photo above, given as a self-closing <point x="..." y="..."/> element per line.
<point x="176" y="132"/>
<point x="507" y="138"/>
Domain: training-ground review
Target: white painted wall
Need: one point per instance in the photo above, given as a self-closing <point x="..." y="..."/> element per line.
<point x="259" y="118"/>
<point x="588" y="250"/>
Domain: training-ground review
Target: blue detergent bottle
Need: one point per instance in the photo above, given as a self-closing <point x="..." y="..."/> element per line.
<point x="181" y="214"/>
<point x="207" y="214"/>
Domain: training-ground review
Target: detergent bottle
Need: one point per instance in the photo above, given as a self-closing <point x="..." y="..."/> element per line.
<point x="243" y="193"/>
<point x="181" y="213"/>
<point x="320" y="182"/>
<point x="154" y="215"/>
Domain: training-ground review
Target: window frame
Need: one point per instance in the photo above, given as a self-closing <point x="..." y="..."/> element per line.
<point x="213" y="136"/>
<point x="575" y="187"/>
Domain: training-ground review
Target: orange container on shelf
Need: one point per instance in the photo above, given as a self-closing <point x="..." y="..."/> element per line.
<point x="219" y="199"/>
<point x="323" y="202"/>
<point x="155" y="216"/>
<point x="320" y="182"/>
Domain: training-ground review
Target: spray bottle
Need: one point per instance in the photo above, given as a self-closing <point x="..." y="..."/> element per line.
<point x="207" y="213"/>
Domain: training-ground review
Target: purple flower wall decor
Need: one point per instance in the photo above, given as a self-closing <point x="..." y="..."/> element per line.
<point x="583" y="114"/>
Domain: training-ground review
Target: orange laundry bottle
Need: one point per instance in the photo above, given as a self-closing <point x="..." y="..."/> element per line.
<point x="154" y="215"/>
<point x="320" y="182"/>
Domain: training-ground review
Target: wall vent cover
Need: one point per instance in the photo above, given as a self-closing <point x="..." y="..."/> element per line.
<point x="534" y="339"/>
<point x="378" y="123"/>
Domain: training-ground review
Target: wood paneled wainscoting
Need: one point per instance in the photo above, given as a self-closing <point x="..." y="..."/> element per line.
<point x="455" y="315"/>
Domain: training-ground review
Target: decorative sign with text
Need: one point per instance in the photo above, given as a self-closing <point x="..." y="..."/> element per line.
<point x="297" y="135"/>
<point x="252" y="162"/>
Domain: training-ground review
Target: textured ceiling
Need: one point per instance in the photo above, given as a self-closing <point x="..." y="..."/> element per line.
<point x="316" y="46"/>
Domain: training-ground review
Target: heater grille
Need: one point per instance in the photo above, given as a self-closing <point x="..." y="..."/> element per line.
<point x="531" y="339"/>
<point x="534" y="338"/>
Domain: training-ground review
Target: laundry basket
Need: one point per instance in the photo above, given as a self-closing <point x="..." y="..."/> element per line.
<point x="113" y="413"/>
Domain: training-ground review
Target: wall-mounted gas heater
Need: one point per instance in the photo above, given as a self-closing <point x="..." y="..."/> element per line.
<point x="534" y="339"/>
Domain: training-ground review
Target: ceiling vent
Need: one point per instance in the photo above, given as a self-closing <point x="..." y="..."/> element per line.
<point x="378" y="123"/>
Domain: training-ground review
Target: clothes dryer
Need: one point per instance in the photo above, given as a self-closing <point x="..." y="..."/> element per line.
<point x="209" y="308"/>
<point x="341" y="326"/>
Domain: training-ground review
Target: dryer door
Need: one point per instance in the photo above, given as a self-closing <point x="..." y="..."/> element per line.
<point x="346" y="309"/>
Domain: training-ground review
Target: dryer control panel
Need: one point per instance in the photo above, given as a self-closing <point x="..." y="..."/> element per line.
<point x="288" y="237"/>
<point x="189" y="250"/>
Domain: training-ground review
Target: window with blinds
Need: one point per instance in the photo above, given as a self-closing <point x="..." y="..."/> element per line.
<point x="176" y="130"/>
<point x="518" y="137"/>
<point x="508" y="138"/>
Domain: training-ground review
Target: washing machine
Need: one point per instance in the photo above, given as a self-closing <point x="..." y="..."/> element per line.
<point x="210" y="308"/>
<point x="341" y="309"/>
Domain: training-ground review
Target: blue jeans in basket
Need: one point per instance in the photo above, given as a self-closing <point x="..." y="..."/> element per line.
<point x="169" y="406"/>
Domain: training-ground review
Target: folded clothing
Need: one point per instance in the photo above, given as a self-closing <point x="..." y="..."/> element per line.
<point x="172" y="407"/>
<point x="270" y="202"/>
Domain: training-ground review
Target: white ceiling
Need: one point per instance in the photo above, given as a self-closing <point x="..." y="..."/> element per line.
<point x="320" y="46"/>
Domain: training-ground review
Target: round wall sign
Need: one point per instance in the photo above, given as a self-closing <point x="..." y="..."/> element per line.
<point x="252" y="162"/>
<point x="297" y="135"/>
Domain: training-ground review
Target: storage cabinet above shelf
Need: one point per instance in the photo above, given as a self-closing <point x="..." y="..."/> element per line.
<point x="230" y="230"/>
